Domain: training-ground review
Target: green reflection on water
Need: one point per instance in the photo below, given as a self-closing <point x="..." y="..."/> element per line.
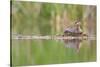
<point x="36" y="52"/>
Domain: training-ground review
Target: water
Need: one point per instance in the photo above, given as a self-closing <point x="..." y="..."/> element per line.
<point x="37" y="52"/>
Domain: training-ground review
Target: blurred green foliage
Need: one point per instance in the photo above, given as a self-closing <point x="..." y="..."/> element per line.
<point x="29" y="15"/>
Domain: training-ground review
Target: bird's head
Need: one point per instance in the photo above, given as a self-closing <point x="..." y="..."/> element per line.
<point x="77" y="23"/>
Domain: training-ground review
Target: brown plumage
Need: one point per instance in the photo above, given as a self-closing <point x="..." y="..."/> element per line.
<point x="74" y="31"/>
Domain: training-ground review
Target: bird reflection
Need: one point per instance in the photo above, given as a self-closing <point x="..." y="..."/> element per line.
<point x="73" y="43"/>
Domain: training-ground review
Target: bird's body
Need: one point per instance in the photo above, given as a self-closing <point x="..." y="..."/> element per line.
<point x="74" y="30"/>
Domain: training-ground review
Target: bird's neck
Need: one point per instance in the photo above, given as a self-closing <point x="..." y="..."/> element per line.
<point x="78" y="28"/>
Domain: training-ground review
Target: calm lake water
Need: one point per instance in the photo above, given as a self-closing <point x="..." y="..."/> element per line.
<point x="38" y="52"/>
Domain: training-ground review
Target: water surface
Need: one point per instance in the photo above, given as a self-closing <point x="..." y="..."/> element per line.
<point x="37" y="52"/>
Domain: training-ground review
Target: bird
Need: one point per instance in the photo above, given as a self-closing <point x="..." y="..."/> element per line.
<point x="74" y="30"/>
